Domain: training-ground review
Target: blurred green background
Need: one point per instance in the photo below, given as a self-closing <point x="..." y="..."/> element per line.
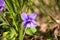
<point x="48" y="20"/>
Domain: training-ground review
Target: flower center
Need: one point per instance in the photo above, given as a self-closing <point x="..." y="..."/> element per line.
<point x="29" y="21"/>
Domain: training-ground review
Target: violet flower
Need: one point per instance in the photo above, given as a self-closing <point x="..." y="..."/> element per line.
<point x="2" y="4"/>
<point x="28" y="20"/>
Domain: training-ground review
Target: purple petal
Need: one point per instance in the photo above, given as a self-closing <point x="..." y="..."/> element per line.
<point x="24" y="23"/>
<point x="1" y="8"/>
<point x="32" y="24"/>
<point x="33" y="15"/>
<point x="28" y="25"/>
<point x="24" y="16"/>
<point x="2" y="3"/>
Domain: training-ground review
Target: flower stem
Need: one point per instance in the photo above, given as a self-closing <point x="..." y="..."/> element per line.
<point x="21" y="33"/>
<point x="24" y="32"/>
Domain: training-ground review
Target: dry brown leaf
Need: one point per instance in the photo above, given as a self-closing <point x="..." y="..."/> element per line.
<point x="43" y="27"/>
<point x="36" y="2"/>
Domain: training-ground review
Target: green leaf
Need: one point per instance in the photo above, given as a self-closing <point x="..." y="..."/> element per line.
<point x="31" y="31"/>
<point x="11" y="34"/>
<point x="48" y="39"/>
<point x="5" y="34"/>
<point x="9" y="5"/>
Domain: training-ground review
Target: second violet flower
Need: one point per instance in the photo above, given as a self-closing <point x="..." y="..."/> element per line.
<point x="2" y="4"/>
